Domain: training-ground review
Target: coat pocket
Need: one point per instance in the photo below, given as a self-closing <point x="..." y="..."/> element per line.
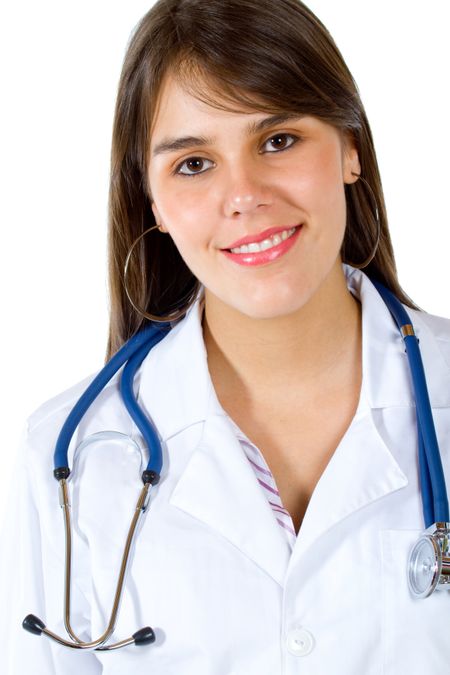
<point x="415" y="631"/>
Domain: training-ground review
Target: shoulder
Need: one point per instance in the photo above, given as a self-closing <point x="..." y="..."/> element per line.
<point x="435" y="326"/>
<point x="49" y="416"/>
<point x="57" y="405"/>
<point x="44" y="424"/>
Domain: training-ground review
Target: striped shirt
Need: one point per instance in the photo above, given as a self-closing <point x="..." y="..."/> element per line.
<point x="267" y="482"/>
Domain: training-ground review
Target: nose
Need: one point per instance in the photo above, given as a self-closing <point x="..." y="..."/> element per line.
<point x="246" y="190"/>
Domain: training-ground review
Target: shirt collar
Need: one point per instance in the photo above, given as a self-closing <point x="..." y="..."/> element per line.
<point x="175" y="386"/>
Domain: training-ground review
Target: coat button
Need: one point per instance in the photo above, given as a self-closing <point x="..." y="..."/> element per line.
<point x="300" y="642"/>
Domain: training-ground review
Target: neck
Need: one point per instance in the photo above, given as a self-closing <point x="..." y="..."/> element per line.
<point x="316" y="347"/>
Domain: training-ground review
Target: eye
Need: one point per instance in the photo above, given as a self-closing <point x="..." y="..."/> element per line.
<point x="198" y="162"/>
<point x="192" y="162"/>
<point x="281" y="137"/>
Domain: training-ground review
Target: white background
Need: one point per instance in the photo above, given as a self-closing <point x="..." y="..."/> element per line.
<point x="60" y="68"/>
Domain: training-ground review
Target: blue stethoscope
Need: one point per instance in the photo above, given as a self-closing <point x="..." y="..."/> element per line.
<point x="429" y="559"/>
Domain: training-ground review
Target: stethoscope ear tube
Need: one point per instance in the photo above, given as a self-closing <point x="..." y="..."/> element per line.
<point x="132" y="353"/>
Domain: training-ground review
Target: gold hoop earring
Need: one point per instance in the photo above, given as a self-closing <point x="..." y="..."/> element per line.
<point x="177" y="313"/>
<point x="360" y="266"/>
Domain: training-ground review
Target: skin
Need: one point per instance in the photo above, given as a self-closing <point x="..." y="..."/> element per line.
<point x="254" y="315"/>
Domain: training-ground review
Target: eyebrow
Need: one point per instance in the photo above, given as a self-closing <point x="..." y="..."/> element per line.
<point x="172" y="144"/>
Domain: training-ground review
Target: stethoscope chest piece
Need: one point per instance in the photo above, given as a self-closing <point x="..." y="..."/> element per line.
<point x="429" y="561"/>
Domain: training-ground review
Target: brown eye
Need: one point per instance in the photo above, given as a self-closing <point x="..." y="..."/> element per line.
<point x="279" y="142"/>
<point x="194" y="166"/>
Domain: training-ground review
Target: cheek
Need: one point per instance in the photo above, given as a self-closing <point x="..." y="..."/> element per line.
<point x="190" y="234"/>
<point x="323" y="182"/>
<point x="184" y="214"/>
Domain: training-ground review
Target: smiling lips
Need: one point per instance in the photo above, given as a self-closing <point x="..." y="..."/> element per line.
<point x="263" y="248"/>
<point x="256" y="238"/>
<point x="255" y="247"/>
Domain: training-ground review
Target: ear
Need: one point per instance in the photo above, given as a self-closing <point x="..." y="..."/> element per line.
<point x="156" y="213"/>
<point x="350" y="160"/>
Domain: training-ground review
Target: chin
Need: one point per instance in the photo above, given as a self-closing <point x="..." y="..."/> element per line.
<point x="261" y="303"/>
<point x="273" y="310"/>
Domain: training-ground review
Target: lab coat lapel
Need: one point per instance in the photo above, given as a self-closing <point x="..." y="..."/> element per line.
<point x="367" y="464"/>
<point x="220" y="489"/>
<point x="216" y="485"/>
<point x="362" y="470"/>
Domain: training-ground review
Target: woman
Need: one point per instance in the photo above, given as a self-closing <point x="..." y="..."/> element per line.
<point x="245" y="201"/>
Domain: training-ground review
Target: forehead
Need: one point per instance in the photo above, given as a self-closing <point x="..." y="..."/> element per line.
<point x="176" y="102"/>
<point x="181" y="118"/>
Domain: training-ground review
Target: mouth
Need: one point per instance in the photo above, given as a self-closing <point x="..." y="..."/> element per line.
<point x="264" y="236"/>
<point x="265" y="250"/>
<point x="264" y="241"/>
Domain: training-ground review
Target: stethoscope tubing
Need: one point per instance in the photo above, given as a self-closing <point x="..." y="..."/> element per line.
<point x="132" y="354"/>
<point x="425" y="481"/>
<point x="137" y="414"/>
<point x="144" y="340"/>
<point x="433" y="488"/>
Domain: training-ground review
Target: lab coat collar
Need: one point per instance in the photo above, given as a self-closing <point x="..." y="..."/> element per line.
<point x="217" y="485"/>
<point x="386" y="373"/>
<point x="175" y="384"/>
<point x="218" y="488"/>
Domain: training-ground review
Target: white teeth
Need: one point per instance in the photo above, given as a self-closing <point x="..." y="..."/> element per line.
<point x="265" y="244"/>
<point x="252" y="248"/>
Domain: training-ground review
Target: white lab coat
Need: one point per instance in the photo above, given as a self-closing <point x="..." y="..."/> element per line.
<point x="213" y="573"/>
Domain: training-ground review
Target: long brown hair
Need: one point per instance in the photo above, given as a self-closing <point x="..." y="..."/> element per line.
<point x="261" y="54"/>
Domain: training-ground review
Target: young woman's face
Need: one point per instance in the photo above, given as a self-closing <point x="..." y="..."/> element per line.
<point x="246" y="180"/>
